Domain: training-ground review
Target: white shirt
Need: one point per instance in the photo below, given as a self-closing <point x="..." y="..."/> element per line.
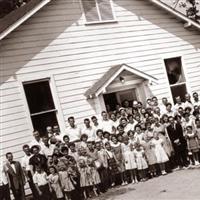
<point x="73" y="133"/>
<point x="115" y="123"/>
<point x="90" y="132"/>
<point x="139" y="137"/>
<point x="3" y="177"/>
<point x="13" y="167"/>
<point x="102" y="157"/>
<point x="162" y="109"/>
<point x="107" y="125"/>
<point x="169" y="114"/>
<point x="25" y="162"/>
<point x="196" y="103"/>
<point x="188" y="104"/>
<point x="35" y="142"/>
<point x="177" y="106"/>
<point x="40" y="179"/>
<point x="48" y="151"/>
<point x="99" y="126"/>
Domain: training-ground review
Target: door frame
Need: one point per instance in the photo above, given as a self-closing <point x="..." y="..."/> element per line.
<point x="134" y="90"/>
<point x="101" y="98"/>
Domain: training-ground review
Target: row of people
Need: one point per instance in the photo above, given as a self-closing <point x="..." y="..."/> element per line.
<point x="131" y="145"/>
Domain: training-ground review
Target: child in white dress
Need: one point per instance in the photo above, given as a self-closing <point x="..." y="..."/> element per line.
<point x="129" y="158"/>
<point x="160" y="153"/>
<point x="141" y="162"/>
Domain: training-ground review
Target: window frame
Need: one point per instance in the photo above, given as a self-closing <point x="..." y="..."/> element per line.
<point x="114" y="20"/>
<point x="184" y="71"/>
<point x="58" y="110"/>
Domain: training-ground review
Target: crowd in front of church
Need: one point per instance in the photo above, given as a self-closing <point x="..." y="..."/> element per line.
<point x="130" y="145"/>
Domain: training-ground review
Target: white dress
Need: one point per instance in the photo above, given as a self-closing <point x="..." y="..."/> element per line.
<point x="160" y="153"/>
<point x="140" y="159"/>
<point x="129" y="157"/>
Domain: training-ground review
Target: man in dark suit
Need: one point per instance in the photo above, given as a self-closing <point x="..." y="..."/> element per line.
<point x="15" y="176"/>
<point x="175" y="132"/>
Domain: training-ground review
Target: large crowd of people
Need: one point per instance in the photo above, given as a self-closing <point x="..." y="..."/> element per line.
<point x="130" y="145"/>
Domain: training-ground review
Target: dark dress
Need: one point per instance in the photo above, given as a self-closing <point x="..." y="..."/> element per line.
<point x="112" y="164"/>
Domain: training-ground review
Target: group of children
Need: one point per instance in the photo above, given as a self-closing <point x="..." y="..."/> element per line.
<point x="129" y="145"/>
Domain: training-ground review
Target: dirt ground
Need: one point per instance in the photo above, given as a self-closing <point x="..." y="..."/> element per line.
<point x="179" y="185"/>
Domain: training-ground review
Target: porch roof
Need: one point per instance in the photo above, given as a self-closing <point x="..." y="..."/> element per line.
<point x="110" y="75"/>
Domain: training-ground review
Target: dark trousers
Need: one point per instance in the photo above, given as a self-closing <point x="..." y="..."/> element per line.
<point x="103" y="172"/>
<point x="4" y="192"/>
<point x="32" y="187"/>
<point x="46" y="195"/>
<point x="181" y="156"/>
<point x="17" y="193"/>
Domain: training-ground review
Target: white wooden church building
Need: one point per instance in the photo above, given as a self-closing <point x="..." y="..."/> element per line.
<point x="64" y="58"/>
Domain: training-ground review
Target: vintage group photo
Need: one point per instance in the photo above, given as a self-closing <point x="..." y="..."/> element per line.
<point x="99" y="99"/>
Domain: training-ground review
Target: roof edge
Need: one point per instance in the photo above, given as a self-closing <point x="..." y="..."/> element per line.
<point x="189" y="22"/>
<point x="23" y="19"/>
<point x="96" y="89"/>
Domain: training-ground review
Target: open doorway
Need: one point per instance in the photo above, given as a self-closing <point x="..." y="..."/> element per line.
<point x="117" y="98"/>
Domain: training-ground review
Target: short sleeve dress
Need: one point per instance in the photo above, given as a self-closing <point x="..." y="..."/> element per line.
<point x="160" y="153"/>
<point x="55" y="184"/>
<point x="140" y="159"/>
<point x="129" y="157"/>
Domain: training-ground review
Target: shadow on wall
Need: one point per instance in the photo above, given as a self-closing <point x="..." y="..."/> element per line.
<point x="60" y="21"/>
<point x="26" y="42"/>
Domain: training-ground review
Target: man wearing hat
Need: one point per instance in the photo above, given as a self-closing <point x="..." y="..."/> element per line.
<point x="37" y="158"/>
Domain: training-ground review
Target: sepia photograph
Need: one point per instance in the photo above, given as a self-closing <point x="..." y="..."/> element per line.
<point x="99" y="99"/>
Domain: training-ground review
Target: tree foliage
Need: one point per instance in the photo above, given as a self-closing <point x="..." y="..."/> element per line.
<point x="192" y="11"/>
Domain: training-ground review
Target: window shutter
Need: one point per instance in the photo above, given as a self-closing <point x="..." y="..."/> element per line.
<point x="90" y="10"/>
<point x="105" y="10"/>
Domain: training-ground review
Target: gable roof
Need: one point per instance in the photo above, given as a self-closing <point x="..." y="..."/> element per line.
<point x="20" y="15"/>
<point x="188" y="22"/>
<point x="110" y="75"/>
<point x="15" y="18"/>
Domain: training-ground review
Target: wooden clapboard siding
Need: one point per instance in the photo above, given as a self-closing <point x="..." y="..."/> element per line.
<point x="56" y="42"/>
